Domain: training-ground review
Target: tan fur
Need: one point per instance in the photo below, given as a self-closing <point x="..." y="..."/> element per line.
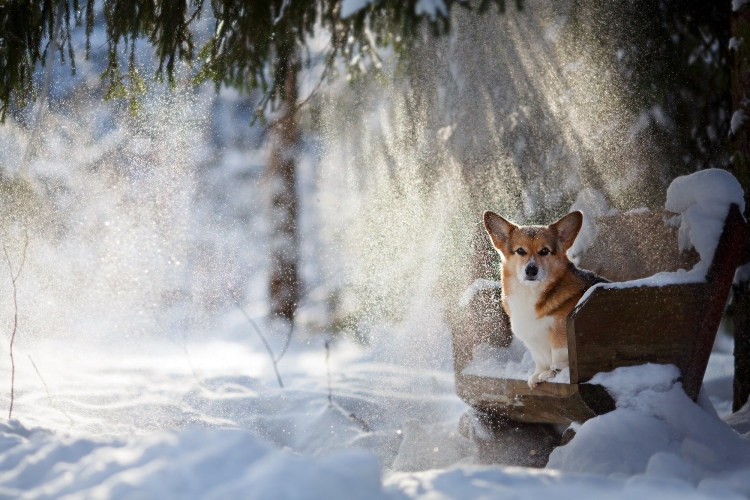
<point x="559" y="285"/>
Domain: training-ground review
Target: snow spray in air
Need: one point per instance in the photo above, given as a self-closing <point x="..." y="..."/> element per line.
<point x="508" y="113"/>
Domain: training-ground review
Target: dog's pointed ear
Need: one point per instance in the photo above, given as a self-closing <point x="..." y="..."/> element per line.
<point x="567" y="229"/>
<point x="499" y="230"/>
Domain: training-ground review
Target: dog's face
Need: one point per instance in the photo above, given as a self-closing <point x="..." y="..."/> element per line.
<point x="533" y="253"/>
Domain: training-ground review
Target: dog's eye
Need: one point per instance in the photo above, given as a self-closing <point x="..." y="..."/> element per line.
<point x="544" y="251"/>
<point x="521" y="252"/>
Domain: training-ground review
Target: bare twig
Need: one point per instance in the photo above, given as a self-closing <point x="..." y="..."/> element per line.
<point x="265" y="343"/>
<point x="329" y="60"/>
<point x="331" y="404"/>
<point x="192" y="368"/>
<point x="189" y="360"/>
<point x="13" y="279"/>
<point x="323" y="75"/>
<point x="360" y="422"/>
<point x="276" y="19"/>
<point x="328" y="369"/>
<point x="47" y="391"/>
<point x="286" y="344"/>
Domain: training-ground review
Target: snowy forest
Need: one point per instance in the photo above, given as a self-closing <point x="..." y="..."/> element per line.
<point x="244" y="256"/>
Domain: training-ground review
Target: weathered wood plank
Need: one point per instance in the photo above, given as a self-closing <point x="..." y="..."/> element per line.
<point x="631" y="326"/>
<point x="512" y="388"/>
<point x="547" y="403"/>
<point x="539" y="408"/>
<point x="727" y="257"/>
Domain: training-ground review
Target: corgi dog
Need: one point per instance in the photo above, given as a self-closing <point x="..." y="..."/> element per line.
<point x="540" y="286"/>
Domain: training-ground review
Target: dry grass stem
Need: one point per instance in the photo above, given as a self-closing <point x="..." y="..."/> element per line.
<point x="266" y="344"/>
<point x="46" y="389"/>
<point x="328" y="369"/>
<point x="13" y="279"/>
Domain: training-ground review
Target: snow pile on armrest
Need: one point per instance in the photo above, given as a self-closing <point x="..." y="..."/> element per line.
<point x="702" y="199"/>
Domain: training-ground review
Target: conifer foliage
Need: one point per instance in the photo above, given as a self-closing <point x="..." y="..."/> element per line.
<point x="250" y="47"/>
<point x="26" y="28"/>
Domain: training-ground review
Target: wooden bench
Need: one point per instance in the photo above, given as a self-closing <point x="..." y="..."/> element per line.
<point x="613" y="327"/>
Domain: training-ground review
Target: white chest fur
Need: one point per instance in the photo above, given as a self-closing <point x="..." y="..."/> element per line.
<point x="527" y="325"/>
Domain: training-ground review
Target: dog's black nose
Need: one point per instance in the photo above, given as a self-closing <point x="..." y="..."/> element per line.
<point x="531" y="270"/>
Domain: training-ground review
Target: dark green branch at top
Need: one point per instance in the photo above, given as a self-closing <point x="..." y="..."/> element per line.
<point x="254" y="43"/>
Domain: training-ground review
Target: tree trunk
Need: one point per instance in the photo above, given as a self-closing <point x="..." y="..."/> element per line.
<point x="740" y="142"/>
<point x="284" y="285"/>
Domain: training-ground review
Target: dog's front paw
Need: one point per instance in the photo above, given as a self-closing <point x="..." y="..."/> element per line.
<point x="545" y="376"/>
<point x="556" y="369"/>
<point x="533" y="380"/>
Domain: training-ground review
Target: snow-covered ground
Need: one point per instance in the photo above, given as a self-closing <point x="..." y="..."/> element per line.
<point x="207" y="419"/>
<point x="165" y="419"/>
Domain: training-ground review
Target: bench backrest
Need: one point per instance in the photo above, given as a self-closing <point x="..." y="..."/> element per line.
<point x="669" y="324"/>
<point x="636" y="245"/>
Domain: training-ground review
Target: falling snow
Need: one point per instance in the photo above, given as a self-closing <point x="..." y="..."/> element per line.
<point x="137" y="375"/>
